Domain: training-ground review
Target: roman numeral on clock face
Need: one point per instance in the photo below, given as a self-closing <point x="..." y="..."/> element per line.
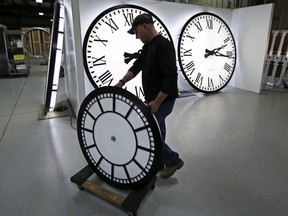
<point x="139" y="91"/>
<point x="129" y="18"/>
<point x="209" y="23"/>
<point x="187" y="52"/>
<point x="97" y="39"/>
<point x="105" y="79"/>
<point x="221" y="79"/>
<point x="187" y="34"/>
<point x="199" y="79"/>
<point x="198" y="25"/>
<point x="219" y="29"/>
<point x="190" y="68"/>
<point x="210" y="83"/>
<point x="99" y="61"/>
<point x="227" y="39"/>
<point x="112" y="24"/>
<point x="227" y="67"/>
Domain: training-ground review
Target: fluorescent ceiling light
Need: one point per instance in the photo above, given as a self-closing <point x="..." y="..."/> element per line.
<point x="41" y="14"/>
<point x="39" y="1"/>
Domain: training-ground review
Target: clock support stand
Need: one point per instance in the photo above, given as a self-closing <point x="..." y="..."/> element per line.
<point x="129" y="204"/>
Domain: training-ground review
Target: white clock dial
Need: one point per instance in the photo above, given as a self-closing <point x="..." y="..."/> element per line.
<point x="109" y="51"/>
<point x="207" y="52"/>
<point x="119" y="137"/>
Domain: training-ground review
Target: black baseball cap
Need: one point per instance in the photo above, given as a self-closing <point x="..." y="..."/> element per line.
<point x="140" y="19"/>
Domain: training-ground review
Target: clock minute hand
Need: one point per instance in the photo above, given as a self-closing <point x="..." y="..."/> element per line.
<point x="208" y="53"/>
<point x="222" y="55"/>
<point x="219" y="48"/>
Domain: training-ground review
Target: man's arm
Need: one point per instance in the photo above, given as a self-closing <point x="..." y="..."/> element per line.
<point x="155" y="104"/>
<point x="127" y="77"/>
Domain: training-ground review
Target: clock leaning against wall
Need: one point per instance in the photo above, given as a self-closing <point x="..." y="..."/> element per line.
<point x="207" y="52"/>
<point x="109" y="51"/>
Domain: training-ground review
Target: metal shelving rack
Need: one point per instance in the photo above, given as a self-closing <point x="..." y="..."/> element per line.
<point x="17" y="57"/>
<point x="4" y="63"/>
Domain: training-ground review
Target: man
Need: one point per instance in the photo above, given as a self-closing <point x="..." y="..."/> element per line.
<point x="157" y="62"/>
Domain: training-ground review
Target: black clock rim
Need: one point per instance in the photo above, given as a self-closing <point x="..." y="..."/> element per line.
<point x="90" y="28"/>
<point x="179" y="54"/>
<point x="152" y="123"/>
<point x="52" y="57"/>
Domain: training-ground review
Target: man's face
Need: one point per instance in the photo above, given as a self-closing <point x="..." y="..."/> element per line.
<point x="141" y="33"/>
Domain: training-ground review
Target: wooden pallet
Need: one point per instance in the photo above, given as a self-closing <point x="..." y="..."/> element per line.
<point x="129" y="203"/>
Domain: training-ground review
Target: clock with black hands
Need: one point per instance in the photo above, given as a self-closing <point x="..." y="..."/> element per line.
<point x="109" y="51"/>
<point x="207" y="52"/>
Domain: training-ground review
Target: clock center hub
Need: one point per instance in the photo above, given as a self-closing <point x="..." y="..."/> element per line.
<point x="115" y="138"/>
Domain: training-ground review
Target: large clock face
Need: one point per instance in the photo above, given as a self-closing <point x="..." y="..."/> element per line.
<point x="109" y="51"/>
<point x="119" y="137"/>
<point x="207" y="52"/>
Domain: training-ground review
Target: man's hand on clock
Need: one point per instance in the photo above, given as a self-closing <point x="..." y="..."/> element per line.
<point x="214" y="51"/>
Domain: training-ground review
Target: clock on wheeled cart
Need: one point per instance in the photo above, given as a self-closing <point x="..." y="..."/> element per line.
<point x="119" y="137"/>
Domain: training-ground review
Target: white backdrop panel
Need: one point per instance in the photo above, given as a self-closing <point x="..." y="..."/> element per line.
<point x="251" y="27"/>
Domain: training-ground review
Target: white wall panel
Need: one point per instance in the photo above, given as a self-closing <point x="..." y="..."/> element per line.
<point x="251" y="27"/>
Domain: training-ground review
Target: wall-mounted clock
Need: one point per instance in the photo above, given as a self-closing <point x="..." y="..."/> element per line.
<point x="119" y="137"/>
<point x="207" y="52"/>
<point x="109" y="51"/>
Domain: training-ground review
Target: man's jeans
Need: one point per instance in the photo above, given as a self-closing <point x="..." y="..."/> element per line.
<point x="169" y="157"/>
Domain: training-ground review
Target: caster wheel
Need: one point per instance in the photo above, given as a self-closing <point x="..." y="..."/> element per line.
<point x="80" y="187"/>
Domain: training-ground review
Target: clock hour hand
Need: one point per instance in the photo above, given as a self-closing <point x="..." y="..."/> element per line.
<point x="214" y="51"/>
<point x="208" y="53"/>
<point x="128" y="56"/>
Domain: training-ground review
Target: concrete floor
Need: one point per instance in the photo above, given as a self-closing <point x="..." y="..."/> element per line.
<point x="234" y="144"/>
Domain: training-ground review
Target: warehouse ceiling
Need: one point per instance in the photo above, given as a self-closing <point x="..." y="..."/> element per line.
<point x="15" y="14"/>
